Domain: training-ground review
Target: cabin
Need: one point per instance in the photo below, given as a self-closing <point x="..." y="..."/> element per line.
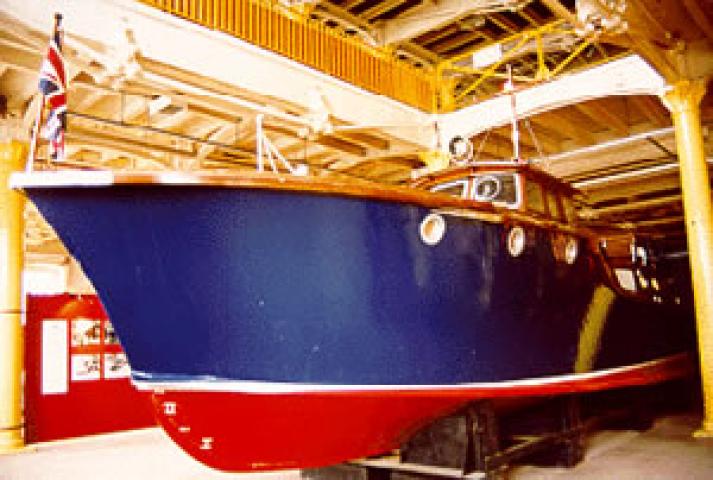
<point x="509" y="185"/>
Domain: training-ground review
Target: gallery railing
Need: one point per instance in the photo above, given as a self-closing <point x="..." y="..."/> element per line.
<point x="270" y="25"/>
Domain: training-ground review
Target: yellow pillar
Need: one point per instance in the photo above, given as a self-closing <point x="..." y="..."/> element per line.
<point x="683" y="99"/>
<point x="447" y="101"/>
<point x="12" y="158"/>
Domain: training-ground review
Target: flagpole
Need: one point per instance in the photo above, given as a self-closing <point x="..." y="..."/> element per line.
<point x="35" y="135"/>
<point x="41" y="114"/>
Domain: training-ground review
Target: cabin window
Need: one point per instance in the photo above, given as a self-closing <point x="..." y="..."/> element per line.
<point x="498" y="188"/>
<point x="554" y="206"/>
<point x="535" y="198"/>
<point x="569" y="210"/>
<point x="456" y="189"/>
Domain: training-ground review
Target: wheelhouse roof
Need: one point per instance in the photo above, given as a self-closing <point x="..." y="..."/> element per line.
<point x="530" y="171"/>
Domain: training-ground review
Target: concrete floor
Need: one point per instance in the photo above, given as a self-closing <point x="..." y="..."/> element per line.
<point x="136" y="455"/>
<point x="666" y="451"/>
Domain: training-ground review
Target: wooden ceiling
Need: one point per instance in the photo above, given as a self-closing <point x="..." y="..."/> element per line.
<point x="620" y="150"/>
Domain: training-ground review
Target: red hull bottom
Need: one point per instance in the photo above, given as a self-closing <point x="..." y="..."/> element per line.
<point x="236" y="431"/>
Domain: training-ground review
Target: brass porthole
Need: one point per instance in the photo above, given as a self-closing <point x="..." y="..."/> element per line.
<point x="433" y="228"/>
<point x="516" y="241"/>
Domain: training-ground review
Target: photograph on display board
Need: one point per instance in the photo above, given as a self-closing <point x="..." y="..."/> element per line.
<point x="116" y="365"/>
<point x="86" y="331"/>
<point x="110" y="337"/>
<point x="86" y="367"/>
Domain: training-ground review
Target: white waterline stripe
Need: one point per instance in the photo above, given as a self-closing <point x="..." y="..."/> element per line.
<point x="241" y="386"/>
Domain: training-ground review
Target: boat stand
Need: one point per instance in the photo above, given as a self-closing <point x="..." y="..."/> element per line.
<point x="483" y="439"/>
<point x="476" y="443"/>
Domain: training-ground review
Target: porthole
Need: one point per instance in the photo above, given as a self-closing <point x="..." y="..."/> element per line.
<point x="432" y="229"/>
<point x="516" y="241"/>
<point x="571" y="250"/>
<point x="461" y="149"/>
<point x="486" y="188"/>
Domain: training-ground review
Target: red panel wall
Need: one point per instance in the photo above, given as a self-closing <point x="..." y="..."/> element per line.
<point x="98" y="396"/>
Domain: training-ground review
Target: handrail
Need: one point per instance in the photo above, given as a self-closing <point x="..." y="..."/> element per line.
<point x="264" y="148"/>
<point x="268" y="24"/>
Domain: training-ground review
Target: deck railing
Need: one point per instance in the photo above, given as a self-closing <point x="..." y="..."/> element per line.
<point x="270" y="25"/>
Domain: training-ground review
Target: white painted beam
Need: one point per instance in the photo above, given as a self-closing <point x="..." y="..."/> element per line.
<point x="627" y="76"/>
<point x="216" y="55"/>
<point x="430" y="16"/>
<point x="221" y="135"/>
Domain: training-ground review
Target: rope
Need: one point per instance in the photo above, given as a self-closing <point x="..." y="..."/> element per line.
<point x="481" y="146"/>
<point x="538" y="147"/>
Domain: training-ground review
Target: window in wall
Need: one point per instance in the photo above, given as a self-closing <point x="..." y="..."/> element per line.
<point x="456" y="188"/>
<point x="535" y="198"/>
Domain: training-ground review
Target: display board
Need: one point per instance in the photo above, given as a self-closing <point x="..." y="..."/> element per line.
<point x="77" y="376"/>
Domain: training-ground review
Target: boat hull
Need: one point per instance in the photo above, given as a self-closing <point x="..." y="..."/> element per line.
<point x="335" y="325"/>
<point x="236" y="431"/>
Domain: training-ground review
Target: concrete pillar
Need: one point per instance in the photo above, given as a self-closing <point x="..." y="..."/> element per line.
<point x="683" y="100"/>
<point x="12" y="158"/>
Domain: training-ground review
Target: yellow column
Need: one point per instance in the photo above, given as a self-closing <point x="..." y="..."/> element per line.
<point x="684" y="102"/>
<point x="447" y="101"/>
<point x="12" y="158"/>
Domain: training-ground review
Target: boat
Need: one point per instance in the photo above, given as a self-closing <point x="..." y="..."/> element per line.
<point x="286" y="321"/>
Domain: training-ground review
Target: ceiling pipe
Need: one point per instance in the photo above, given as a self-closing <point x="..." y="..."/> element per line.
<point x="632" y="174"/>
<point x="609" y="144"/>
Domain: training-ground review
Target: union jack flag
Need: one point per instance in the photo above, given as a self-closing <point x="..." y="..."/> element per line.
<point x="53" y="86"/>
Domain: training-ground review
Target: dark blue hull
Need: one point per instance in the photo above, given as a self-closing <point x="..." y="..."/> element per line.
<point x="259" y="285"/>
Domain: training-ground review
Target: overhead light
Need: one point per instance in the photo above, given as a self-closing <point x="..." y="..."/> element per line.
<point x="487" y="56"/>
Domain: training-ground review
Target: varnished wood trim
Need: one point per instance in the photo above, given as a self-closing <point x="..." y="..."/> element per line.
<point x="246" y="179"/>
<point x="268" y="181"/>
<point x="432" y="179"/>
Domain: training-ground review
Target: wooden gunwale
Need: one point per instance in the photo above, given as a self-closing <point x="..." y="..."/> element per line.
<point x="445" y="203"/>
<point x="250" y="180"/>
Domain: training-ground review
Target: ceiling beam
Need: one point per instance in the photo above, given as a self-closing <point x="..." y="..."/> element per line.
<point x="87" y="101"/>
<point x="346" y="16"/>
<point x="349" y="4"/>
<point x="699" y="17"/>
<point x="364" y="139"/>
<point x="603" y="116"/>
<point x="556" y="120"/>
<point x="606" y="192"/>
<point x="325" y="140"/>
<point x="659" y="222"/>
<point x="626" y="76"/>
<point x="556" y="7"/>
<point x="458" y="41"/>
<point x="637" y="205"/>
<point x="424" y="18"/>
<point x="533" y="18"/>
<point x="503" y="142"/>
<point x="436" y="35"/>
<point x="504" y="23"/>
<point x="173" y="120"/>
<point x="674" y="39"/>
<point x="631" y="177"/>
<point x="222" y="134"/>
<point x="100" y="140"/>
<point x="379" y="8"/>
<point x="132" y="111"/>
<point x="653" y="109"/>
<point x="550" y="140"/>
<point x="547" y="144"/>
